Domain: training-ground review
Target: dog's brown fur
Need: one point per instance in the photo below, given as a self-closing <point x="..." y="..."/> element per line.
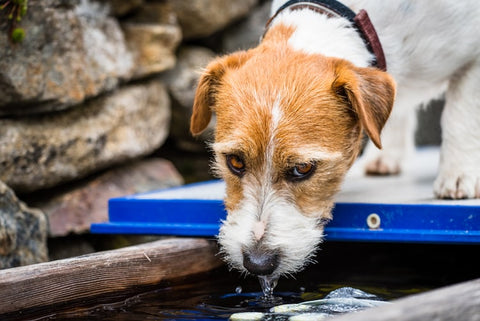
<point x="325" y="104"/>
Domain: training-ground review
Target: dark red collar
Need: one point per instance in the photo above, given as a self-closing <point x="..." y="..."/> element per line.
<point x="332" y="8"/>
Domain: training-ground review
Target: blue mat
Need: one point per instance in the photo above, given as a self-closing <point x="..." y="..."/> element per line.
<point x="382" y="209"/>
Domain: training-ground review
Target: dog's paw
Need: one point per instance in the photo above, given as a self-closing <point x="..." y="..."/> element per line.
<point x="382" y="165"/>
<point x="457" y="185"/>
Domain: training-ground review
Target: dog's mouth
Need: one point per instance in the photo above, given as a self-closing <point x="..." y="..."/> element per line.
<point x="273" y="255"/>
<point x="261" y="261"/>
<point x="269" y="236"/>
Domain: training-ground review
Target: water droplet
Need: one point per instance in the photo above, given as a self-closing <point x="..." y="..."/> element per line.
<point x="268" y="283"/>
<point x="238" y="289"/>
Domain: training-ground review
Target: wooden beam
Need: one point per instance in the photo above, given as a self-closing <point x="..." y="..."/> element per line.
<point x="460" y="302"/>
<point x="104" y="272"/>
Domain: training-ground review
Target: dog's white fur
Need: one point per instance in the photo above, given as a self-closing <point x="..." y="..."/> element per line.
<point x="282" y="217"/>
<point x="430" y="47"/>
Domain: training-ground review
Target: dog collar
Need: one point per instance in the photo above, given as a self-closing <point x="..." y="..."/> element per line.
<point x="333" y="8"/>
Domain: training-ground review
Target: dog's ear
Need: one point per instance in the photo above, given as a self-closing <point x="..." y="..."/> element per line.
<point x="371" y="94"/>
<point x="207" y="87"/>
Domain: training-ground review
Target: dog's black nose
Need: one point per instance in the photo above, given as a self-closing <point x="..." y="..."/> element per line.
<point x="260" y="262"/>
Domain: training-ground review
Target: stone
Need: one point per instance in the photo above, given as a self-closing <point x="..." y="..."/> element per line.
<point x="120" y="8"/>
<point x="153" y="47"/>
<point x="23" y="231"/>
<point x="71" y="51"/>
<point x="152" y="35"/>
<point x="74" y="208"/>
<point x="246" y="34"/>
<point x="156" y="12"/>
<point x="201" y="18"/>
<point x="181" y="82"/>
<point x="44" y="151"/>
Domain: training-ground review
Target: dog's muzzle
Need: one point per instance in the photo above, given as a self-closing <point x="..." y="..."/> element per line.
<point x="260" y="261"/>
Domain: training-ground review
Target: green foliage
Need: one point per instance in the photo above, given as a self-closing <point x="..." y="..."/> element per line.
<point x="14" y="10"/>
<point x="18" y="34"/>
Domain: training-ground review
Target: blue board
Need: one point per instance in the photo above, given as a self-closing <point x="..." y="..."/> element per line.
<point x="383" y="209"/>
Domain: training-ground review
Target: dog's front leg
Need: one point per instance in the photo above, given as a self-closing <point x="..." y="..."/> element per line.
<point x="459" y="174"/>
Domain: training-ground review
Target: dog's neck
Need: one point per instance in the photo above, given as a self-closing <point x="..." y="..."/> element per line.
<point x="326" y="34"/>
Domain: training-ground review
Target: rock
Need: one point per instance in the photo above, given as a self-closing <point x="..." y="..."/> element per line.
<point x="70" y="52"/>
<point x="201" y="18"/>
<point x="40" y="152"/>
<point x="23" y="231"/>
<point x="182" y="80"/>
<point x="157" y="12"/>
<point x="152" y="36"/>
<point x="153" y="47"/>
<point x="120" y="8"/>
<point x="73" y="209"/>
<point x="181" y="83"/>
<point x="247" y="33"/>
<point x="339" y="301"/>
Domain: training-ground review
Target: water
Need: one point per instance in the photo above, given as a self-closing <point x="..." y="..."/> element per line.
<point x="366" y="272"/>
<point x="268" y="284"/>
<point x="219" y="296"/>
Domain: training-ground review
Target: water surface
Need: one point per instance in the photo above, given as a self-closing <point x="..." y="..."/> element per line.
<point x="387" y="271"/>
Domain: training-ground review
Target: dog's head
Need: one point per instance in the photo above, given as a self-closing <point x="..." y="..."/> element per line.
<point x="289" y="126"/>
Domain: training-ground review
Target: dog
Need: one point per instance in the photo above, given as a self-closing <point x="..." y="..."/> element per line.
<point x="291" y="113"/>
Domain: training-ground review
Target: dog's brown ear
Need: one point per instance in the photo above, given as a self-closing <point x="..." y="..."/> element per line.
<point x="371" y="93"/>
<point x="207" y="87"/>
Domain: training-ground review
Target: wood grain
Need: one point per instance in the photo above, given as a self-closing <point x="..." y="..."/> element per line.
<point x="104" y="272"/>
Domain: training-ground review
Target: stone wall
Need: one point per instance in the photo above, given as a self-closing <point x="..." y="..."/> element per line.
<point x="89" y="95"/>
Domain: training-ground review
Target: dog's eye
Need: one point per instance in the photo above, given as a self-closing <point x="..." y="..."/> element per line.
<point x="236" y="165"/>
<point x="301" y="171"/>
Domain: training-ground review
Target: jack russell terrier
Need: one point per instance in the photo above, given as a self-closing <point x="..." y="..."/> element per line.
<point x="291" y="112"/>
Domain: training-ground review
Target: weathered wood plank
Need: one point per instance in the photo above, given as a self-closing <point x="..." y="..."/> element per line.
<point x="460" y="302"/>
<point x="104" y="272"/>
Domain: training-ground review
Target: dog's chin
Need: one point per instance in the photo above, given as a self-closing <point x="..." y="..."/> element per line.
<point x="292" y="236"/>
